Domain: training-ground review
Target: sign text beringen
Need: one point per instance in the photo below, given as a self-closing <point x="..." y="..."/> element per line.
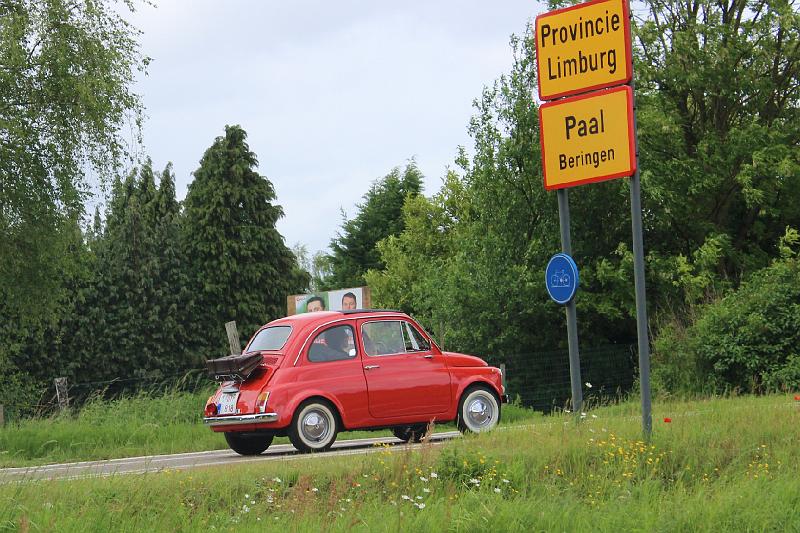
<point x="587" y="138"/>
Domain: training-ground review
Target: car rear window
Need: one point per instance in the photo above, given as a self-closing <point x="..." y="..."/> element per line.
<point x="272" y="338"/>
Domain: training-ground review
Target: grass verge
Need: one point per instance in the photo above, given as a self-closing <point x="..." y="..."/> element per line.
<point x="719" y="465"/>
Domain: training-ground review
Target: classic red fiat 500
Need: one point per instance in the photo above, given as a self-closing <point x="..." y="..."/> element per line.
<point x="325" y="372"/>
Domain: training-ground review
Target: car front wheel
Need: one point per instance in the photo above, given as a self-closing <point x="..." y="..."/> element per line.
<point x="248" y="443"/>
<point x="478" y="410"/>
<point x="314" y="427"/>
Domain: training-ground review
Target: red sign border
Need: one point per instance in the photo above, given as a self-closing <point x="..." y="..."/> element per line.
<point x="631" y="138"/>
<point x="629" y="50"/>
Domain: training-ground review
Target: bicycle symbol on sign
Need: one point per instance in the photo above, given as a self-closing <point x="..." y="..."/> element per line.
<point x="560" y="279"/>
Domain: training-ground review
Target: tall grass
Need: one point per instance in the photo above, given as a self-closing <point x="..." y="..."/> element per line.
<point x="147" y="423"/>
<point x="728" y="464"/>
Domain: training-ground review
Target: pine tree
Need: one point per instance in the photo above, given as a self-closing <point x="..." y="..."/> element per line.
<point x="132" y="317"/>
<point x="239" y="266"/>
<point x="354" y="250"/>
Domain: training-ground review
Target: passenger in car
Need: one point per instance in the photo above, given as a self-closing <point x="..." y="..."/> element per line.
<point x="335" y="347"/>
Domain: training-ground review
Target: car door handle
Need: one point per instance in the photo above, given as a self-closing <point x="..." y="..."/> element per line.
<point x="429" y="356"/>
<point x="370" y="367"/>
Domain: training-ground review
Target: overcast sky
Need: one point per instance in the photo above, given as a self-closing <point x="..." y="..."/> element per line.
<point x="333" y="95"/>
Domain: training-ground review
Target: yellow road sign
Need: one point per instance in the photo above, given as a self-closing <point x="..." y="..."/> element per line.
<point x="583" y="48"/>
<point x="587" y="138"/>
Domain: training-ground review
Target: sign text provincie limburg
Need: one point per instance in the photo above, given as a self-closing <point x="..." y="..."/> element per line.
<point x="582" y="48"/>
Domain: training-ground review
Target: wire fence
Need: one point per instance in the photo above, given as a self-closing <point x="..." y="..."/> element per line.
<point x="76" y="395"/>
<point x="539" y="380"/>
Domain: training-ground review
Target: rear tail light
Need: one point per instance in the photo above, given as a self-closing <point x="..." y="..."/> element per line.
<point x="261" y="402"/>
<point x="211" y="409"/>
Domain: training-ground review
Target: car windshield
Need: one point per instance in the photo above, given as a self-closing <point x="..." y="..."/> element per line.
<point x="270" y="339"/>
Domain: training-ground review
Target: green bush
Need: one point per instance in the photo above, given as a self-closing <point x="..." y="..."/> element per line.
<point x="747" y="341"/>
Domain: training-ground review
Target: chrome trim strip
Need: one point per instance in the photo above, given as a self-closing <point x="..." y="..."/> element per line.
<point x="260" y="418"/>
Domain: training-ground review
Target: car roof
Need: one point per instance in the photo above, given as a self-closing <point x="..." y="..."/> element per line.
<point x="303" y="319"/>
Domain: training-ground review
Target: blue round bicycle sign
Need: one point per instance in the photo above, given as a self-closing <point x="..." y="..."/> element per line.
<point x="561" y="278"/>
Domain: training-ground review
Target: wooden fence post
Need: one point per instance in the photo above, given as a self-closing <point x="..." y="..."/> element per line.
<point x="233" y="338"/>
<point x="61" y="393"/>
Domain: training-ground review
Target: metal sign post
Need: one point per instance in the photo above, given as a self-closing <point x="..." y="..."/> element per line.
<point x="572" y="320"/>
<point x="639" y="284"/>
<point x="591" y="136"/>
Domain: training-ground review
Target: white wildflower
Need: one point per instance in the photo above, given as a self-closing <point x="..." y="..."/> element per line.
<point x="588" y="384"/>
<point x="405" y="497"/>
<point x="426" y="490"/>
<point x="497" y="489"/>
<point x="422" y="478"/>
<point x="277" y="480"/>
<point x="506" y="481"/>
<point x="420" y="505"/>
<point x="434" y="475"/>
<point x="475" y="481"/>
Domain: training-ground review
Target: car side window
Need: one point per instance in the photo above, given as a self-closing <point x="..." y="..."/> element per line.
<point x="333" y="344"/>
<point x="415" y="341"/>
<point x="383" y="338"/>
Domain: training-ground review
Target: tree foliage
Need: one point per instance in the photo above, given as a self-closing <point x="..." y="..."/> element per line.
<point x="719" y="93"/>
<point x="717" y="102"/>
<point x="470" y="260"/>
<point x="66" y="71"/>
<point x="353" y="251"/>
<point x="747" y="341"/>
<point x="240" y="268"/>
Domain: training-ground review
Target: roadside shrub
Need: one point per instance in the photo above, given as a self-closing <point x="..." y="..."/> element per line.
<point x="747" y="341"/>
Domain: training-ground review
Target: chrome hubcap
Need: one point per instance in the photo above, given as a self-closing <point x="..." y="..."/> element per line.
<point x="480" y="412"/>
<point x="315" y="426"/>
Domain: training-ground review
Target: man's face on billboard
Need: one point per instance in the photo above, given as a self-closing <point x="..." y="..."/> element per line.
<point x="348" y="302"/>
<point x="315" y="305"/>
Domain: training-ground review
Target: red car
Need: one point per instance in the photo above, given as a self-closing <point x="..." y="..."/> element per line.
<point x="325" y="372"/>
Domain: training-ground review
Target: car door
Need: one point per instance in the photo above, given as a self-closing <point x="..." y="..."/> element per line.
<point x="405" y="376"/>
<point x="333" y="367"/>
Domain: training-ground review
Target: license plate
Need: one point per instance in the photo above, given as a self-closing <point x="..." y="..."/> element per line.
<point x="227" y="403"/>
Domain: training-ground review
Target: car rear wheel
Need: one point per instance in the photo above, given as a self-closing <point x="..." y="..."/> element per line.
<point x="411" y="433"/>
<point x="314" y="427"/>
<point x="478" y="410"/>
<point x="248" y="443"/>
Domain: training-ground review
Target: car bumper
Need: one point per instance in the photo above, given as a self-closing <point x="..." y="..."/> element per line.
<point x="238" y="420"/>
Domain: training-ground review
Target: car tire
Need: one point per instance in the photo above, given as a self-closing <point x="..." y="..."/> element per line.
<point x="478" y="410"/>
<point x="314" y="426"/>
<point x="413" y="433"/>
<point x="248" y="443"/>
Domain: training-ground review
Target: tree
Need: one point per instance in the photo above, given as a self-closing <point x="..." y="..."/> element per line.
<point x="353" y="251"/>
<point x="66" y="71"/>
<point x="469" y="262"/>
<point x="128" y="318"/>
<point x="718" y="89"/>
<point x="239" y="267"/>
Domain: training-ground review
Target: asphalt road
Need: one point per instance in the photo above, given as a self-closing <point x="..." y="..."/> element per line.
<point x="183" y="461"/>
